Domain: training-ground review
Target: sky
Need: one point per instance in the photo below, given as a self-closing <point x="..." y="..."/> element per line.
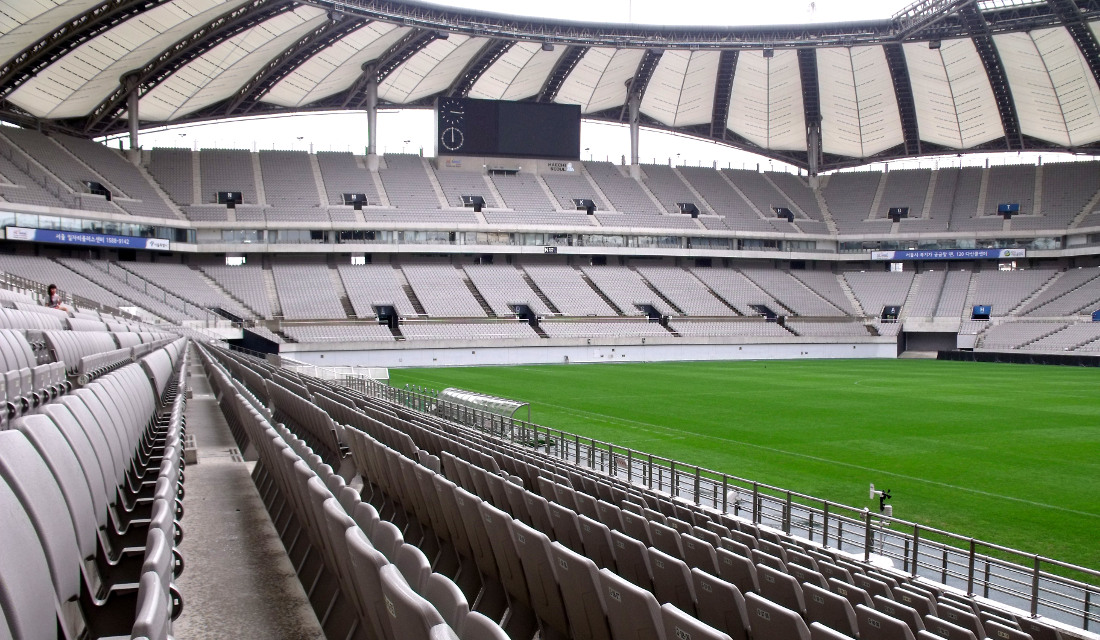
<point x="413" y="130"/>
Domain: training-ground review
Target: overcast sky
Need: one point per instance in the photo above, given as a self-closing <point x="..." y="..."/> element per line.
<point x="412" y="130"/>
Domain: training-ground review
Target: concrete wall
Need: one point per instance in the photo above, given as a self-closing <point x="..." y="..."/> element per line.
<point x="584" y="353"/>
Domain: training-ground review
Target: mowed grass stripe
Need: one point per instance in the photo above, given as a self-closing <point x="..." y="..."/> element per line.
<point x="1005" y="453"/>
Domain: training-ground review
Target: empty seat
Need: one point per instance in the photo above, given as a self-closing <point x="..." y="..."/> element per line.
<point x="679" y="625"/>
<point x="671" y="581"/>
<point x="632" y="612"/>
<point x="632" y="560"/>
<point x="410" y="616"/>
<point x="854" y="594"/>
<point x="781" y="588"/>
<point x="720" y="604"/>
<point x="906" y="614"/>
<point x="879" y="626"/>
<point x="962" y="617"/>
<point x="770" y="621"/>
<point x="832" y="610"/>
<point x="578" y="579"/>
<point x="941" y="628"/>
<point x="998" y="631"/>
<point x="819" y="631"/>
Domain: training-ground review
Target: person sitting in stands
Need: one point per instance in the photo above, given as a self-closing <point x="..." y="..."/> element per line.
<point x="53" y="298"/>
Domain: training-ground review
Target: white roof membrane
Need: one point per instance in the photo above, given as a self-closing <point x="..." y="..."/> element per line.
<point x="598" y="81"/>
<point x="681" y="90"/>
<point x="519" y="73"/>
<point x="432" y="69"/>
<point x="859" y="110"/>
<point x="955" y="103"/>
<point x="766" y="101"/>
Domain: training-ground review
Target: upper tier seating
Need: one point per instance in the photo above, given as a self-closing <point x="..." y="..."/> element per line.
<point x="669" y="189"/>
<point x="173" y="170"/>
<point x="342" y="174"/>
<point x="406" y="182"/>
<point x="226" y="170"/>
<point x="625" y="193"/>
<point x="111" y="164"/>
<point x="876" y="290"/>
<point x="288" y="180"/>
<point x="685" y="291"/>
<point x="522" y="192"/>
<point x="456" y="184"/>
<point x="1005" y="290"/>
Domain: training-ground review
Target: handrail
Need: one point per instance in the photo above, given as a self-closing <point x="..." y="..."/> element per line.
<point x="1029" y="583"/>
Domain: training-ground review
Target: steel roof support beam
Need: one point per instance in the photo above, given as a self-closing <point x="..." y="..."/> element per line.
<point x="723" y="90"/>
<point x="995" y="70"/>
<point x="562" y="69"/>
<point x="288" y="60"/>
<point x="903" y="89"/>
<point x="1070" y="15"/>
<point x="811" y="105"/>
<point x="490" y="53"/>
<point x="181" y="53"/>
<point x="66" y="37"/>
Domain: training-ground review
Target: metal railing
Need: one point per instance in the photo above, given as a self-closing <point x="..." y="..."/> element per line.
<point x="1028" y="582"/>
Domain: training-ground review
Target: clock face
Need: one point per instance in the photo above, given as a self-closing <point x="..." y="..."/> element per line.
<point x="452" y="138"/>
<point x="452" y="112"/>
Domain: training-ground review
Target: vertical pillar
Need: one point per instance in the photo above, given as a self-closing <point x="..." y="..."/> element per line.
<point x="633" y="103"/>
<point x="813" y="148"/>
<point x="371" y="89"/>
<point x="132" y="99"/>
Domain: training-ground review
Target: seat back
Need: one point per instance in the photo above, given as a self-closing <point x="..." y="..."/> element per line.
<point x="410" y="616"/>
<point x="832" y="610"/>
<point x="678" y="624"/>
<point x="781" y="588"/>
<point x="906" y="614"/>
<point x="879" y="626"/>
<point x="632" y="612"/>
<point x="770" y="621"/>
<point x="578" y="581"/>
<point x="720" y="604"/>
<point x="671" y="581"/>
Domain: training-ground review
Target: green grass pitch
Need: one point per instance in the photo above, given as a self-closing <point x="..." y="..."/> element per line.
<point x="1005" y="453"/>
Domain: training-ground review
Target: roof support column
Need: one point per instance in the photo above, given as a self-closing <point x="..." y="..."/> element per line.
<point x="132" y="99"/>
<point x="813" y="151"/>
<point x="634" y="103"/>
<point x="371" y="102"/>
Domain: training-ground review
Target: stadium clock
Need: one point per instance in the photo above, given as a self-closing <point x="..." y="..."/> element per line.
<point x="452" y="113"/>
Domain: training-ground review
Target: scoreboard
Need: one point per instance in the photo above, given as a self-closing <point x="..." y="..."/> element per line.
<point x="469" y="127"/>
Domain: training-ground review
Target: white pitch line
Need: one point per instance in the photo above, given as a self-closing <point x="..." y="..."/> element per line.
<point x="613" y="419"/>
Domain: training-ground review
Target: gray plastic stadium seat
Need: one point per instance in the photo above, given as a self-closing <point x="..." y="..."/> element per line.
<point x="480" y="627"/>
<point x="632" y="560"/>
<point x="636" y="527"/>
<point x="943" y="629"/>
<point x="609" y="515"/>
<point x="533" y="548"/>
<point x="998" y="631"/>
<point x="962" y="617"/>
<point x="539" y="511"/>
<point x="833" y="611"/>
<point x="924" y="604"/>
<point x="819" y="631"/>
<point x="781" y="588"/>
<point x="906" y="614"/>
<point x="831" y="570"/>
<point x="27" y="596"/>
<point x="764" y="559"/>
<point x="596" y="538"/>
<point x="678" y="624"/>
<point x="1039" y="630"/>
<point x="671" y="581"/>
<point x="666" y="539"/>
<point x="413" y="565"/>
<point x="803" y="574"/>
<point x="699" y="554"/>
<point x="566" y="529"/>
<point x="447" y="599"/>
<point x="578" y="580"/>
<point x="152" y="620"/>
<point x="873" y="585"/>
<point x="366" y="562"/>
<point x="410" y="616"/>
<point x="879" y="626"/>
<point x="854" y="594"/>
<point x="770" y="621"/>
<point x="720" y="604"/>
<point x="632" y="612"/>
<point x="738" y="570"/>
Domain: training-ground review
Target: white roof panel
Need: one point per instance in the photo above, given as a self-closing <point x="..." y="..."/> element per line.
<point x="952" y="94"/>
<point x="22" y="22"/>
<point x="78" y="82"/>
<point x="598" y="81"/>
<point x="859" y="110"/>
<point x="766" y="101"/>
<point x="336" y="67"/>
<point x="681" y="91"/>
<point x="1055" y="93"/>
<point x="432" y="69"/>
<point x="518" y="74"/>
<point x="220" y="72"/>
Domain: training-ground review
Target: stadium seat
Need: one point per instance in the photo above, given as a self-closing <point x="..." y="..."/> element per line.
<point x="579" y="583"/>
<point x="943" y="629"/>
<point x="632" y="560"/>
<point x="854" y="594"/>
<point x="720" y="604"/>
<point x="781" y="588"/>
<point x="906" y="614"/>
<point x="879" y="626"/>
<point x="632" y="612"/>
<point x="770" y="621"/>
<point x="596" y="539"/>
<point x="738" y="570"/>
<point x="699" y="553"/>
<point x="671" y="581"/>
<point x="829" y="609"/>
<point x="678" y="624"/>
<point x="410" y="616"/>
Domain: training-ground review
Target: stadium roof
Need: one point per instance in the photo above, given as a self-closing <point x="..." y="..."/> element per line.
<point x="942" y="76"/>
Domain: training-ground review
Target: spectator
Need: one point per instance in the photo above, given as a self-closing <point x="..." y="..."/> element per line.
<point x="53" y="298"/>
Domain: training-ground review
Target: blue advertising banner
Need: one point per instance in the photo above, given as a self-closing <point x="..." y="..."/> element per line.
<point x="86" y="239"/>
<point x="949" y="254"/>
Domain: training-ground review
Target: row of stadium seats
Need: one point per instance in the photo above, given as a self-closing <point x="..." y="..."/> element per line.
<point x="304" y="186"/>
<point x="91" y="488"/>
<point x="545" y="546"/>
